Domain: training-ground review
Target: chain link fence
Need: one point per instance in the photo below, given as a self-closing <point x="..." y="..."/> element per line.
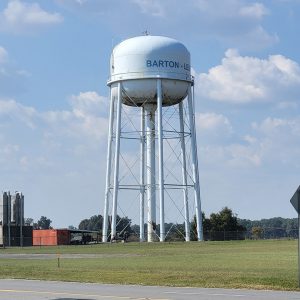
<point x="173" y="236"/>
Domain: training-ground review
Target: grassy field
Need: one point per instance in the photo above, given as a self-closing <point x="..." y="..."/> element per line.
<point x="268" y="264"/>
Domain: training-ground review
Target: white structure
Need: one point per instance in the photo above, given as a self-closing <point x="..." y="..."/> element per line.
<point x="150" y="74"/>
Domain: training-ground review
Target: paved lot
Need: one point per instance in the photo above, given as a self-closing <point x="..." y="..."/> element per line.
<point x="34" y="289"/>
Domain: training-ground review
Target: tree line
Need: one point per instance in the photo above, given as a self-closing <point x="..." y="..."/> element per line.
<point x="271" y="228"/>
<point x="224" y="225"/>
<point x="225" y="220"/>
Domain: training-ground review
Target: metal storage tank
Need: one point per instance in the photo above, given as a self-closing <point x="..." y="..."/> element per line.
<point x="150" y="57"/>
<point x="17" y="209"/>
<point x="5" y="208"/>
<point x="2" y="210"/>
<point x="151" y="73"/>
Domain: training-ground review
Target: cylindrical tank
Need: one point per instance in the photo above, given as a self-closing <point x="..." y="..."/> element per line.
<point x="14" y="208"/>
<point x="139" y="61"/>
<point x="17" y="211"/>
<point x="9" y="208"/>
<point x="5" y="202"/>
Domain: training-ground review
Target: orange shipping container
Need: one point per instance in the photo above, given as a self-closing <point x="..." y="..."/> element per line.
<point x="50" y="237"/>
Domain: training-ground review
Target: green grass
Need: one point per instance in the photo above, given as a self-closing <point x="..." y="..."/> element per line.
<point x="270" y="264"/>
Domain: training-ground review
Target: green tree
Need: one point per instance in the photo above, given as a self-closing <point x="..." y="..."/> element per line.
<point x="223" y="225"/>
<point x="28" y="221"/>
<point x="94" y="223"/>
<point x="274" y="227"/>
<point x="43" y="223"/>
<point x="225" y="220"/>
<point x="84" y="224"/>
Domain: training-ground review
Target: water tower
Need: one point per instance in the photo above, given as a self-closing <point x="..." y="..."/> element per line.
<point x="151" y="74"/>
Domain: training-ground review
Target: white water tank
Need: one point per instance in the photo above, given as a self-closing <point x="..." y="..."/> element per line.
<point x="139" y="61"/>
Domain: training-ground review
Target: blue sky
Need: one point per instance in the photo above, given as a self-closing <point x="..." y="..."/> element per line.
<point x="54" y="64"/>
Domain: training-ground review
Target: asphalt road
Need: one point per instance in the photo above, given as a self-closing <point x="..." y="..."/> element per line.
<point x="53" y="290"/>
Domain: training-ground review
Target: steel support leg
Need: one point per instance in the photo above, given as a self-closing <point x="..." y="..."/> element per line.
<point x="150" y="166"/>
<point x="108" y="170"/>
<point x="184" y="176"/>
<point x="160" y="162"/>
<point x="195" y="167"/>
<point x="116" y="169"/>
<point x="142" y="176"/>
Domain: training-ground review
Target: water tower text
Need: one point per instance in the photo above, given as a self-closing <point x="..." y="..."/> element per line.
<point x="167" y="64"/>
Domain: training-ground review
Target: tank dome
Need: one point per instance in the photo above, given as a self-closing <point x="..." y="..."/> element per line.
<point x="139" y="61"/>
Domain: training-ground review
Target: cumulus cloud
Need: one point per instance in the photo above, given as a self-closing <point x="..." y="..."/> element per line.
<point x="12" y="79"/>
<point x="3" y="55"/>
<point x="278" y="126"/>
<point x="11" y="109"/>
<point x="85" y="118"/>
<point x="234" y="155"/>
<point x="254" y="10"/>
<point x="271" y="142"/>
<point x="231" y="22"/>
<point x="58" y="151"/>
<point x="244" y="79"/>
<point x="241" y="155"/>
<point x="20" y="17"/>
<point x="153" y="8"/>
<point x="280" y="139"/>
<point x="89" y="102"/>
<point x="213" y="124"/>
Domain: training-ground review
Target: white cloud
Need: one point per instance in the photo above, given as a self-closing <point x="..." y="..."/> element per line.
<point x="255" y="10"/>
<point x="86" y="118"/>
<point x="89" y="102"/>
<point x="19" y="17"/>
<point x="3" y="55"/>
<point x="280" y="140"/>
<point x="287" y="105"/>
<point x="11" y="78"/>
<point x="278" y="127"/>
<point x="60" y="151"/>
<point x="18" y="112"/>
<point x="230" y="156"/>
<point x="8" y="152"/>
<point x="212" y="123"/>
<point x="153" y="8"/>
<point x="231" y="22"/>
<point x="273" y="142"/>
<point x="244" y="79"/>
<point x="81" y="2"/>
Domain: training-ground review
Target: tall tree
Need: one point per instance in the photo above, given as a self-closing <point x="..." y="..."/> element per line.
<point x="28" y="221"/>
<point x="225" y="220"/>
<point x="94" y="223"/>
<point x="44" y="223"/>
<point x="217" y="224"/>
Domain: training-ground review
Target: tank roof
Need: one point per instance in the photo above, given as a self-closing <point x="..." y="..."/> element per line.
<point x="149" y="43"/>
